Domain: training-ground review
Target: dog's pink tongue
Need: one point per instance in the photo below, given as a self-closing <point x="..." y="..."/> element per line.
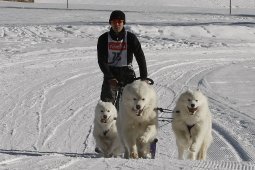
<point x="192" y="110"/>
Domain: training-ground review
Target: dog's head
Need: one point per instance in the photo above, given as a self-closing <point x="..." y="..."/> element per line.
<point x="192" y="101"/>
<point x="105" y="112"/>
<point x="138" y="96"/>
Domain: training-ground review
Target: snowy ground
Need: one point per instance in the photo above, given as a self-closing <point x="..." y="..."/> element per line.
<point x="50" y="83"/>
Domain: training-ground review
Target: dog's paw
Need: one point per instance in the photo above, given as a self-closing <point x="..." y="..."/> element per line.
<point x="192" y="156"/>
<point x="145" y="155"/>
<point x="134" y="155"/>
<point x="193" y="148"/>
<point x="143" y="139"/>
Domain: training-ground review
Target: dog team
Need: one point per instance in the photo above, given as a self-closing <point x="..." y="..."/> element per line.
<point x="133" y="128"/>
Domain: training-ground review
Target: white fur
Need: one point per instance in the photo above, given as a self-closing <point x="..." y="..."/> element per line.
<point x="137" y="120"/>
<point x="198" y="139"/>
<point x="105" y="129"/>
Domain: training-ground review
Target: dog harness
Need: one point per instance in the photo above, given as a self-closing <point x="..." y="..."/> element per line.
<point x="105" y="132"/>
<point x="190" y="127"/>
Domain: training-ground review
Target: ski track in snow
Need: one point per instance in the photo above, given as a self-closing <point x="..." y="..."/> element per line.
<point x="48" y="96"/>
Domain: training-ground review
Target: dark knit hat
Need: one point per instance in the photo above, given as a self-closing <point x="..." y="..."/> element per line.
<point x="117" y="14"/>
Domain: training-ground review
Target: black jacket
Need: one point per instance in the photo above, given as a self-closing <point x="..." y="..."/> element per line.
<point x="133" y="48"/>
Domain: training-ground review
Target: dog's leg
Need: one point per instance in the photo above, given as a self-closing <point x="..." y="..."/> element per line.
<point x="99" y="144"/>
<point x="182" y="141"/>
<point x="197" y="138"/>
<point x="202" y="152"/>
<point x="192" y="155"/>
<point x="116" y="147"/>
<point x="133" y="151"/>
<point x="145" y="140"/>
<point x="113" y="145"/>
<point x="104" y="146"/>
<point x="107" y="152"/>
<point x="131" y="143"/>
<point x="181" y="150"/>
<point x="198" y="147"/>
<point x="144" y="150"/>
<point x="204" y="147"/>
<point x="193" y="151"/>
<point x="149" y="134"/>
<point x="130" y="146"/>
<point x="115" y="152"/>
<point x="123" y="144"/>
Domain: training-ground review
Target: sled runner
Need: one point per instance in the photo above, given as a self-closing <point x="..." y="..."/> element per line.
<point x="153" y="148"/>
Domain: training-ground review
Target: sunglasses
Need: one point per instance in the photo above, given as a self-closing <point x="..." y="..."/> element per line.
<point x="117" y="21"/>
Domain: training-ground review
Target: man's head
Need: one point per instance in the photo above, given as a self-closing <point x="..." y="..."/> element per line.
<point x="117" y="20"/>
<point x="117" y="15"/>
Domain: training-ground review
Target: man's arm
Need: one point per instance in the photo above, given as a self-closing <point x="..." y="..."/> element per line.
<point x="102" y="55"/>
<point x="140" y="58"/>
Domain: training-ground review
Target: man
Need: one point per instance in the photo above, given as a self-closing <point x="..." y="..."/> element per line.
<point x="115" y="51"/>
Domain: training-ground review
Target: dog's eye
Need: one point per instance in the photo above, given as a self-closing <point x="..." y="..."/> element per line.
<point x="196" y="100"/>
<point x="108" y="110"/>
<point x="189" y="100"/>
<point x="134" y="98"/>
<point x="102" y="111"/>
<point x="143" y="98"/>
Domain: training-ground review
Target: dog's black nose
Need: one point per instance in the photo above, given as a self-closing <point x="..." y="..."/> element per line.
<point x="138" y="107"/>
<point x="105" y="116"/>
<point x="192" y="105"/>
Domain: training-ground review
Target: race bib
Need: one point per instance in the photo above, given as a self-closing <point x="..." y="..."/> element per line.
<point x="117" y="52"/>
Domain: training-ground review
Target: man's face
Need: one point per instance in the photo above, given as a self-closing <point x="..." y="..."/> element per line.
<point x="117" y="25"/>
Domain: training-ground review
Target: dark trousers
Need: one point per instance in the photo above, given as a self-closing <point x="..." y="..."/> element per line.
<point x="124" y="75"/>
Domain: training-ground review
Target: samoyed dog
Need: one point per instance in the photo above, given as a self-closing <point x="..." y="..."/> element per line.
<point x="138" y="119"/>
<point x="192" y="125"/>
<point x="105" y="129"/>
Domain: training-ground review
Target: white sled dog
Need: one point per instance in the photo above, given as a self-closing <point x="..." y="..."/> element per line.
<point x="137" y="120"/>
<point x="192" y="125"/>
<point x="105" y="129"/>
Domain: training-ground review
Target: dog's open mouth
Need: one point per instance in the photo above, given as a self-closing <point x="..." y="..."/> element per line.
<point x="105" y="120"/>
<point x="138" y="112"/>
<point x="192" y="110"/>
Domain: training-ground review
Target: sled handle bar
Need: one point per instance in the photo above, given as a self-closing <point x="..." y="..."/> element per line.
<point x="150" y="81"/>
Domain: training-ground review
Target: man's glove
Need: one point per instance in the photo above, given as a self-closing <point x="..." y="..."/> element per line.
<point x="113" y="83"/>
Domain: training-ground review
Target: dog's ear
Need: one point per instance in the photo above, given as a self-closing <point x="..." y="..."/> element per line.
<point x="186" y="88"/>
<point x="189" y="90"/>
